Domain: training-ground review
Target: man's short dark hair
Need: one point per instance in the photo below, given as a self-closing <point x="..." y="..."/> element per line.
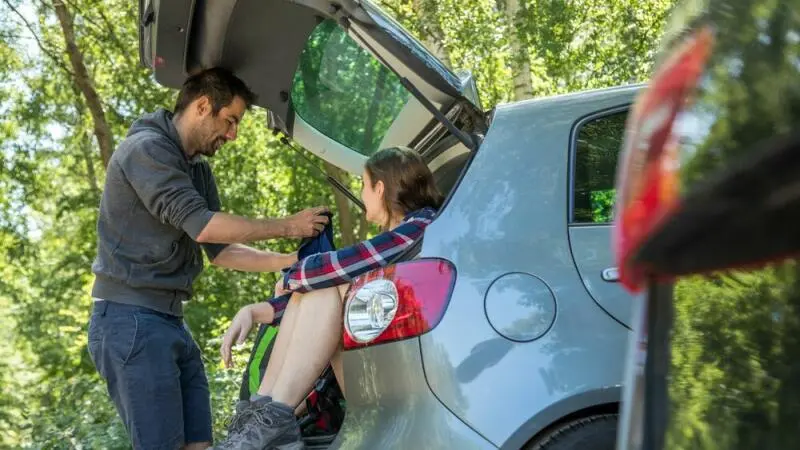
<point x="219" y="85"/>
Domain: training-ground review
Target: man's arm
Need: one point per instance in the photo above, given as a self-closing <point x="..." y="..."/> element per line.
<point x="229" y="229"/>
<point x="153" y="170"/>
<point x="248" y="259"/>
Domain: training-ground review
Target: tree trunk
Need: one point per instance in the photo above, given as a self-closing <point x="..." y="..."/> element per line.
<point x="520" y="59"/>
<point x="102" y="131"/>
<point x="86" y="152"/>
<point x="85" y="142"/>
<point x="346" y="219"/>
<point x="372" y="113"/>
<point x="363" y="227"/>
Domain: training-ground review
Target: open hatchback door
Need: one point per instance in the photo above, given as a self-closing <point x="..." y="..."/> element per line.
<point x="341" y="78"/>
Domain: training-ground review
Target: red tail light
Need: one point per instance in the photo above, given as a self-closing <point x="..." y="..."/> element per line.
<point x="647" y="179"/>
<point x="397" y="302"/>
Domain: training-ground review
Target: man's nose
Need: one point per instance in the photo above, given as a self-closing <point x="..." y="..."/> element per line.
<point x="232" y="131"/>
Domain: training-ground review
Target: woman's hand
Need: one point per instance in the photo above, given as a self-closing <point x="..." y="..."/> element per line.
<point x="237" y="332"/>
<point x="241" y="325"/>
<point x="279" y="290"/>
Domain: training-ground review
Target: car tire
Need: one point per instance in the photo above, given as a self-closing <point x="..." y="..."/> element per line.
<point x="589" y="433"/>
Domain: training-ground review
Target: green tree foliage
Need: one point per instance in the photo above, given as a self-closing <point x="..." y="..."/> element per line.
<point x="51" y="171"/>
<point x="734" y="360"/>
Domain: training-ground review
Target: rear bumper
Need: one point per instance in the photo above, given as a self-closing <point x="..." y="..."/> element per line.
<point x="389" y="404"/>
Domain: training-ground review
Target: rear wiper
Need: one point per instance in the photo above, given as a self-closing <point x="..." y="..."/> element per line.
<point x="466" y="139"/>
<point x="331" y="180"/>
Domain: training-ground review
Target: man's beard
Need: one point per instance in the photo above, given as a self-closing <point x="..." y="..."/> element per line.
<point x="210" y="148"/>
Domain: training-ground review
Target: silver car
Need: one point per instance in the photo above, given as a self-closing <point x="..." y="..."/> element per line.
<point x="505" y="326"/>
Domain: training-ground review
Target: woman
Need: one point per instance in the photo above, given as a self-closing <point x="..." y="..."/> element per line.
<point x="400" y="195"/>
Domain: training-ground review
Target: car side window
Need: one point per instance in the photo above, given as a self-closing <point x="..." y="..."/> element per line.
<point x="597" y="148"/>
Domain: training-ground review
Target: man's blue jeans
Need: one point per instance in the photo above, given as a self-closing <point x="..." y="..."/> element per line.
<point x="154" y="373"/>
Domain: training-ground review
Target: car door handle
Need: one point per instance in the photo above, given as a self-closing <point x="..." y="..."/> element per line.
<point x="611" y="275"/>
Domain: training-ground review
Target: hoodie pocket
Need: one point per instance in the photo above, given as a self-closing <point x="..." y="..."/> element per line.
<point x="168" y="273"/>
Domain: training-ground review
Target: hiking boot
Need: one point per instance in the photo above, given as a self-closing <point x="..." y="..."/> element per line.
<point x="265" y="426"/>
<point x="238" y="419"/>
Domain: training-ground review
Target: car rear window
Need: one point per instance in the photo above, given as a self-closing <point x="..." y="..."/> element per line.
<point x="343" y="92"/>
<point x="597" y="149"/>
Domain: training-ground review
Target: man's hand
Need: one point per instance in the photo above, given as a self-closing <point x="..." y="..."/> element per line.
<point x="306" y="223"/>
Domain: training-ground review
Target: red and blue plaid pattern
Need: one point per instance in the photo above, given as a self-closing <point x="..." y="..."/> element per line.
<point x="329" y="269"/>
<point x="279" y="305"/>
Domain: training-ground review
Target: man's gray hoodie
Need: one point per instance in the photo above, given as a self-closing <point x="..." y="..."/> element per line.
<point x="155" y="203"/>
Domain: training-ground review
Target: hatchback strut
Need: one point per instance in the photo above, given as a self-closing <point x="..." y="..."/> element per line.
<point x="333" y="181"/>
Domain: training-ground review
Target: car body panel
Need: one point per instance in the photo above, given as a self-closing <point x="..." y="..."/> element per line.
<point x="508" y="215"/>
<point x="389" y="405"/>
<point x="592" y="252"/>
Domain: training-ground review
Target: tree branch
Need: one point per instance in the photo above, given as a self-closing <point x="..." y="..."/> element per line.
<point x="39" y="42"/>
<point x="101" y="129"/>
<point x="7" y="35"/>
<point x="105" y="31"/>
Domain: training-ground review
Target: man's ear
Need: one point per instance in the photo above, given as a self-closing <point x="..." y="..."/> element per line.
<point x="202" y="106"/>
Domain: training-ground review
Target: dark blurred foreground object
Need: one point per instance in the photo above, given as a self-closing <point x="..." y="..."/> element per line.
<point x="708" y="197"/>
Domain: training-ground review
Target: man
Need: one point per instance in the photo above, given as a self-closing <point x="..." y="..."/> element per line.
<point x="159" y="206"/>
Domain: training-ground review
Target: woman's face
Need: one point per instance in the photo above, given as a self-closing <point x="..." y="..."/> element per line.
<point x="372" y="196"/>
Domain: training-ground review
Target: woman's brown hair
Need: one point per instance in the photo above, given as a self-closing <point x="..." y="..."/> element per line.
<point x="407" y="181"/>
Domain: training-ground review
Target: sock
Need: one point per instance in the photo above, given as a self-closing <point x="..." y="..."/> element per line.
<point x="260" y="398"/>
<point x="284" y="408"/>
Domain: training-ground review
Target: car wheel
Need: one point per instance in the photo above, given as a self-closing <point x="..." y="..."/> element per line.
<point x="590" y="433"/>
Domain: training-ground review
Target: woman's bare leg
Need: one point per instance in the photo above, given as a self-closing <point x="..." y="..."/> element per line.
<point x="336" y="361"/>
<point x="278" y="354"/>
<point x="315" y="337"/>
<point x="301" y="409"/>
<point x="338" y="370"/>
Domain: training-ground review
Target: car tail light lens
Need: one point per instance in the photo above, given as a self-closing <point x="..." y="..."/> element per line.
<point x="398" y="302"/>
<point x="647" y="179"/>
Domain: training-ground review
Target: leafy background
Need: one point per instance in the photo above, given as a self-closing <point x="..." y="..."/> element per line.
<point x="70" y="85"/>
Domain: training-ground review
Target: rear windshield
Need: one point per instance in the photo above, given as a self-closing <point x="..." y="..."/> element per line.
<point x="342" y="91"/>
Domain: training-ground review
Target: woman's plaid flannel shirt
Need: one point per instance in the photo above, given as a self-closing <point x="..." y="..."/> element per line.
<point x="328" y="269"/>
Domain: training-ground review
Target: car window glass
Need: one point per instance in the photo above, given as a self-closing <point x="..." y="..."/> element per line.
<point x="598" y="146"/>
<point x="342" y="91"/>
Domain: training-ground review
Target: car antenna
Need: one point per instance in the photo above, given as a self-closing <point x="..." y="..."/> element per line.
<point x="331" y="180"/>
<point x="466" y="139"/>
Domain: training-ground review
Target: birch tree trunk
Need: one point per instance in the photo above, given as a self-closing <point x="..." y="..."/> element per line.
<point x="520" y="58"/>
